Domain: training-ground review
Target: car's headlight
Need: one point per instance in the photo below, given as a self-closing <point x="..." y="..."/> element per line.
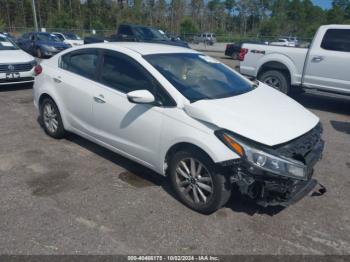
<point x="50" y="48"/>
<point x="278" y="165"/>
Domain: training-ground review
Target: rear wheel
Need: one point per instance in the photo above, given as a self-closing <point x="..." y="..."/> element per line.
<point x="276" y="79"/>
<point x="51" y="119"/>
<point x="235" y="56"/>
<point x="197" y="183"/>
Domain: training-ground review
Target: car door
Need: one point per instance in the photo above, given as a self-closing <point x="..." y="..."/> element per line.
<point x="133" y="129"/>
<point x="75" y="83"/>
<point x="328" y="63"/>
<point x="25" y="42"/>
<point x="31" y="43"/>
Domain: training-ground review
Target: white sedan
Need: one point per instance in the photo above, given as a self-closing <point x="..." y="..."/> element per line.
<point x="69" y="38"/>
<point x="184" y="115"/>
<point x="16" y="66"/>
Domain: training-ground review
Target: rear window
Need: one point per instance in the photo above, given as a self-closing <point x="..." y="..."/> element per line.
<point x="125" y="30"/>
<point x="337" y="40"/>
<point x="83" y="64"/>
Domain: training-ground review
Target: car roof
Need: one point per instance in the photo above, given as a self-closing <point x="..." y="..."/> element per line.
<point x="145" y="48"/>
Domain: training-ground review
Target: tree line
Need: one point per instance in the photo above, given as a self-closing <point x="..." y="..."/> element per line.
<point x="224" y="17"/>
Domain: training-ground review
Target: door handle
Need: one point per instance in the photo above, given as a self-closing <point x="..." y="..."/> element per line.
<point x="57" y="80"/>
<point x="317" y="59"/>
<point x="99" y="99"/>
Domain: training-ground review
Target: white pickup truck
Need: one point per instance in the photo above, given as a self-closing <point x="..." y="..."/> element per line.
<point x="324" y="66"/>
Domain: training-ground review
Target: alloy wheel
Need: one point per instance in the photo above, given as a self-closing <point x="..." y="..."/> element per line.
<point x="50" y="118"/>
<point x="273" y="82"/>
<point x="194" y="181"/>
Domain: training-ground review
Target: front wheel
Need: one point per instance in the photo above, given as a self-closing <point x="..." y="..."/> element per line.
<point x="276" y="79"/>
<point x="197" y="183"/>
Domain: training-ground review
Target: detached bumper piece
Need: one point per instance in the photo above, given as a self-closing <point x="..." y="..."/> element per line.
<point x="291" y="196"/>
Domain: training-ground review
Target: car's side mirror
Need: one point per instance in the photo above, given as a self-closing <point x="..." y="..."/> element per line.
<point x="140" y="97"/>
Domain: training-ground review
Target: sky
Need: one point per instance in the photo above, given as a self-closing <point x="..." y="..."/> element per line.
<point x="325" y="4"/>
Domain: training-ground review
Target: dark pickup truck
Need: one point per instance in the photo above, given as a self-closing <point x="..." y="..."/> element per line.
<point x="137" y="33"/>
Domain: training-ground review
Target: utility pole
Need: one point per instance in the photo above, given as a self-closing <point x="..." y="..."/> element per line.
<point x="34" y="16"/>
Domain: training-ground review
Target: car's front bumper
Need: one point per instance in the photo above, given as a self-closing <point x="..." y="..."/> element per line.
<point x="269" y="189"/>
<point x="12" y="78"/>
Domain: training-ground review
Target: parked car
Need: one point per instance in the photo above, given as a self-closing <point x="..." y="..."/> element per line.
<point x="9" y="36"/>
<point x="16" y="66"/>
<point x="324" y="66"/>
<point x="283" y="42"/>
<point x="207" y="38"/>
<point x="98" y="39"/>
<point x="137" y="33"/>
<point x="70" y="39"/>
<point x="293" y="39"/>
<point x="184" y="115"/>
<point x="41" y="44"/>
<point x="232" y="50"/>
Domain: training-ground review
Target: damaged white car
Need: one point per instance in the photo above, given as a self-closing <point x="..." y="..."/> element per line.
<point x="184" y="115"/>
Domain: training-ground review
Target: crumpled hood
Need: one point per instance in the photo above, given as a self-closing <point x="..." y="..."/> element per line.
<point x="264" y="115"/>
<point x="14" y="57"/>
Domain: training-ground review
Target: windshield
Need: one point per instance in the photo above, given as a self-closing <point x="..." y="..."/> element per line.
<point x="47" y="37"/>
<point x="71" y="36"/>
<point x="197" y="76"/>
<point x="150" y="34"/>
<point x="6" y="44"/>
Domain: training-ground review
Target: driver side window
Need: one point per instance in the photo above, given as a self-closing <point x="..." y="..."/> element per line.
<point x="120" y="74"/>
<point x="125" y="75"/>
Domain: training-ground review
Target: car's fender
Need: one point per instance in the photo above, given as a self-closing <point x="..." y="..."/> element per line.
<point x="285" y="60"/>
<point x="180" y="128"/>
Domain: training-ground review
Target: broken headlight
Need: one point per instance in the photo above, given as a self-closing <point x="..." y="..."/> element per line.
<point x="277" y="165"/>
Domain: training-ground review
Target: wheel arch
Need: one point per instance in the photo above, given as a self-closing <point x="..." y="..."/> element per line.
<point x="42" y="97"/>
<point x="276" y="61"/>
<point x="184" y="146"/>
<point x="275" y="65"/>
<point x="47" y="95"/>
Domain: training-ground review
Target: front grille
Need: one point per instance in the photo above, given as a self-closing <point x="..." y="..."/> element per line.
<point x="9" y="68"/>
<point x="300" y="147"/>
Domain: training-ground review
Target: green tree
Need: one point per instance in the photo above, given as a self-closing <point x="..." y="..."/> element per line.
<point x="187" y="26"/>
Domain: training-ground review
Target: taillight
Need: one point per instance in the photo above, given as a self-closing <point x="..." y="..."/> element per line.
<point x="38" y="69"/>
<point x="242" y="53"/>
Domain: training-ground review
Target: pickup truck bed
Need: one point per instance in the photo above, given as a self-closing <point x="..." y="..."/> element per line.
<point x="324" y="66"/>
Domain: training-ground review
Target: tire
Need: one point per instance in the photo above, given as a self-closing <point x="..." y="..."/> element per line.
<point x="277" y="80"/>
<point x="234" y="56"/>
<point x="51" y="120"/>
<point x="207" y="178"/>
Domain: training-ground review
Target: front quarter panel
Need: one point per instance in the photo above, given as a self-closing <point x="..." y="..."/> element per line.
<point x="178" y="127"/>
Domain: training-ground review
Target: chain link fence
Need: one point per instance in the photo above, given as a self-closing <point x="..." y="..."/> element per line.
<point x="221" y="39"/>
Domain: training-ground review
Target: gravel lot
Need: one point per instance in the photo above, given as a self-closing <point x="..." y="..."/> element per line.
<point x="73" y="197"/>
